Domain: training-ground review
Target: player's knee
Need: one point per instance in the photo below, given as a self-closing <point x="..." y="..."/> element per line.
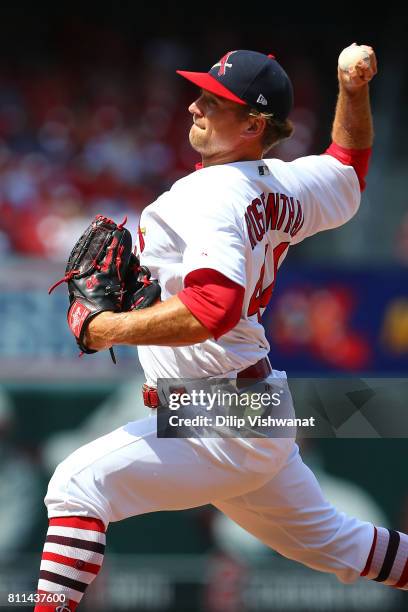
<point x="60" y="485"/>
<point x="74" y="491"/>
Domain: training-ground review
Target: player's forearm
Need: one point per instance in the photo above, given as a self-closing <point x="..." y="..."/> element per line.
<point x="169" y="323"/>
<point x="353" y="124"/>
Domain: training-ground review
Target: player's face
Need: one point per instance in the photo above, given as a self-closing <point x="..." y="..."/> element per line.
<point x="218" y="125"/>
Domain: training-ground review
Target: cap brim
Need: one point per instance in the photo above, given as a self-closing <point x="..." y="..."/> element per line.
<point x="209" y="83"/>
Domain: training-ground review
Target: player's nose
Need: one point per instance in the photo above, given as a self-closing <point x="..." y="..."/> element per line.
<point x="194" y="109"/>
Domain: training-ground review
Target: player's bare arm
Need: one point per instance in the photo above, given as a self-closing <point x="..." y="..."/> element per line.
<point x="353" y="125"/>
<point x="169" y="323"/>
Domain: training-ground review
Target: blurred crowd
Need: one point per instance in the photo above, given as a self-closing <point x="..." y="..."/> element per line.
<point x="81" y="138"/>
<point x="74" y="145"/>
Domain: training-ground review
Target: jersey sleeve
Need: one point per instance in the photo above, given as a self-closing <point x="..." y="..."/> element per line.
<point x="329" y="192"/>
<point x="215" y="300"/>
<point x="358" y="158"/>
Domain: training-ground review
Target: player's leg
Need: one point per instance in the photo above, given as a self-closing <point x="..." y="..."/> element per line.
<point x="290" y="514"/>
<point x="129" y="472"/>
<point x="71" y="559"/>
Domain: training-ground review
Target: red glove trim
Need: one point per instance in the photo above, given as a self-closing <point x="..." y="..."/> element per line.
<point x="358" y="158"/>
<point x="77" y="314"/>
<point x="215" y="300"/>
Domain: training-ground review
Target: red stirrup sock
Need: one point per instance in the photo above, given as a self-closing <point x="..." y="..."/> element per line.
<point x="72" y="557"/>
<point x="388" y="558"/>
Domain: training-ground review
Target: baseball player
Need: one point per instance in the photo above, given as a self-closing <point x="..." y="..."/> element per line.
<point x="215" y="241"/>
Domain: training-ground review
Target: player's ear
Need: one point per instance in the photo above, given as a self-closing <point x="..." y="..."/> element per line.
<point x="255" y="125"/>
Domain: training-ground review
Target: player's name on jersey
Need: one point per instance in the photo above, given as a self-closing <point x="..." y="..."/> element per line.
<point x="273" y="211"/>
<point x="238" y="422"/>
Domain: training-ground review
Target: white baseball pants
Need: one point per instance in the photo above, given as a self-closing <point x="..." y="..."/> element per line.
<point x="262" y="484"/>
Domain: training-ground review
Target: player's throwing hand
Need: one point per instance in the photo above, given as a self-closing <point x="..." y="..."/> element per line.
<point x="357" y="66"/>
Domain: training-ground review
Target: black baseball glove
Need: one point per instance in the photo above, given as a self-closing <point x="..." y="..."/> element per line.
<point x="140" y="290"/>
<point x="104" y="275"/>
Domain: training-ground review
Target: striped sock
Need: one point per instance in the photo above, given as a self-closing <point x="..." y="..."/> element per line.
<point x="388" y="558"/>
<point x="72" y="557"/>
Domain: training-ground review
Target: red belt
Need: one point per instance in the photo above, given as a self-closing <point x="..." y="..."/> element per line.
<point x="259" y="370"/>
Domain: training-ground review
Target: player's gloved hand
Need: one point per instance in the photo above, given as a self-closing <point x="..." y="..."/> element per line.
<point x="140" y="290"/>
<point x="95" y="274"/>
<point x="104" y="275"/>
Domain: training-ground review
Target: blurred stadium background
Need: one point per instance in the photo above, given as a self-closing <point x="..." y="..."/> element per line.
<point x="93" y="120"/>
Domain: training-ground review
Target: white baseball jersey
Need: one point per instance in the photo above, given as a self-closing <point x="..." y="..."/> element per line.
<point x="240" y="220"/>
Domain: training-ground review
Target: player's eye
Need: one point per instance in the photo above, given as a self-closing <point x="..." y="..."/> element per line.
<point x="209" y="99"/>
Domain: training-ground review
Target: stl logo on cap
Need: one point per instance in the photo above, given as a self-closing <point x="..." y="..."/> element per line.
<point x="223" y="63"/>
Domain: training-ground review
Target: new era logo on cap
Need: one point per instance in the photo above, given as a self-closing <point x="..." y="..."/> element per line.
<point x="248" y="77"/>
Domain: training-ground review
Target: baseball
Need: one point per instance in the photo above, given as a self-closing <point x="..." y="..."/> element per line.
<point x="351" y="56"/>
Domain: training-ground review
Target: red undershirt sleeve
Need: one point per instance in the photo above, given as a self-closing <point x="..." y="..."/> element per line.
<point x="359" y="159"/>
<point x="215" y="300"/>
